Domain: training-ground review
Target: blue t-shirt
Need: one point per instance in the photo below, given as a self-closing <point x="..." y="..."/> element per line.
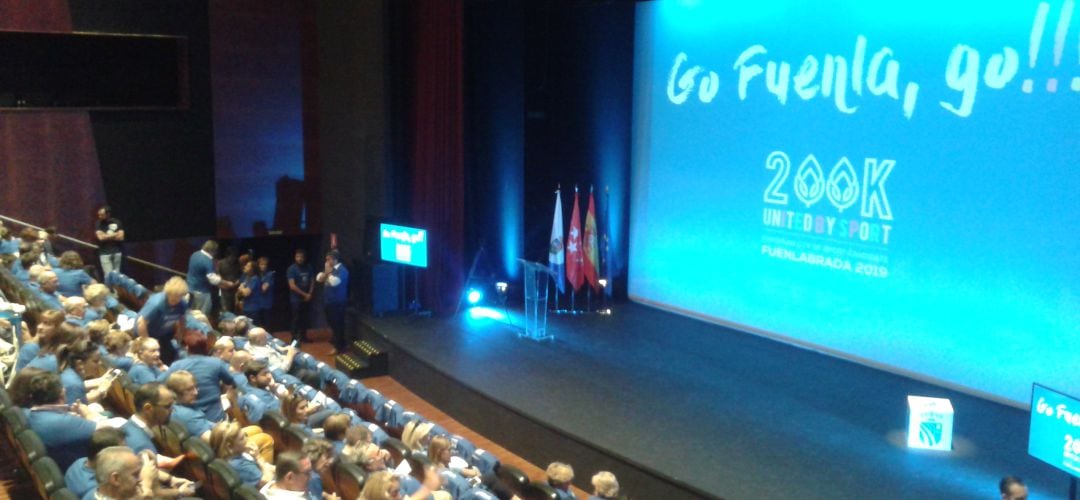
<point x="301" y="276"/>
<point x="192" y="419"/>
<point x="74" y="387"/>
<point x="160" y="317"/>
<point x="47" y="362"/>
<point x="199" y="265"/>
<point x="314" y="485"/>
<point x="79" y="478"/>
<point x="247" y="470"/>
<point x="20" y="272"/>
<point x="259" y="299"/>
<point x="209" y="374"/>
<point x="27" y="353"/>
<point x="137" y="438"/>
<point x="253" y="302"/>
<point x="51" y="300"/>
<point x="72" y="281"/>
<point x="141" y="373"/>
<point x="9" y="246"/>
<point x="66" y="436"/>
<point x="337" y="294"/>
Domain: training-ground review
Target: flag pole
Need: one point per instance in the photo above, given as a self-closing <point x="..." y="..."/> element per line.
<point x="558" y="188"/>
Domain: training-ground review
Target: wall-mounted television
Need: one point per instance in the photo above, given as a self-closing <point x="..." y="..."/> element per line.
<point x="100" y="71"/>
<point x="1054" y="435"/>
<point x="403" y="245"/>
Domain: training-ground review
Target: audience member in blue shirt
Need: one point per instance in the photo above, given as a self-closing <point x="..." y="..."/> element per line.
<point x="202" y="280"/>
<point x="116" y="346"/>
<point x="79" y="478"/>
<point x="301" y="280"/>
<point x="153" y="407"/>
<point x="209" y="372"/>
<point x="71" y="275"/>
<point x="159" y="316"/>
<point x="335" y="280"/>
<point x="320" y="452"/>
<point x="147" y="366"/>
<point x="260" y="383"/>
<point x="48" y="284"/>
<point x="64" y="429"/>
<point x="80" y="363"/>
<point x="182" y="383"/>
<point x="229" y="443"/>
<point x="45" y="340"/>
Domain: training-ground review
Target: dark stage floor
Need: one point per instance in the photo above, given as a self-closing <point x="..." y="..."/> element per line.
<point x="727" y="413"/>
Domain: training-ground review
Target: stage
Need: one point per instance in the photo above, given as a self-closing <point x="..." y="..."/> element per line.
<point x="679" y="408"/>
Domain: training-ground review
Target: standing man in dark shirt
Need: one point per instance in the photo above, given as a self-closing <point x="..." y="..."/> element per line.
<point x="110" y="235"/>
<point x="301" y="286"/>
<point x="335" y="280"/>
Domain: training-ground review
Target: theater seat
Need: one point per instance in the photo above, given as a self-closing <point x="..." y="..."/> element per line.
<point x="30" y="446"/>
<point x="47" y="477"/>
<point x="537" y="490"/>
<point x="5" y="400"/>
<point x="247" y="492"/>
<point x="485" y="462"/>
<point x="14" y="422"/>
<point x="398" y="450"/>
<point x="169" y="439"/>
<point x="274" y="424"/>
<point x="512" y="478"/>
<point x="348" y="479"/>
<point x="63" y="494"/>
<point x="119" y="398"/>
<point x="293" y="438"/>
<point x="197" y="455"/>
<point x="222" y="480"/>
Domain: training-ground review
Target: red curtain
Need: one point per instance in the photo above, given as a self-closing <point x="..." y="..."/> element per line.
<point x="437" y="145"/>
<point x="49" y="173"/>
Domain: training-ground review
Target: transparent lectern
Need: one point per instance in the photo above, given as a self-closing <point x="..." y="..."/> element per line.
<point x="536" y="299"/>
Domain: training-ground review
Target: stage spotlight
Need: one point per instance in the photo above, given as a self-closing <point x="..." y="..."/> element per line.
<point x="501" y="287"/>
<point x="474" y="296"/>
<point x="602" y="282"/>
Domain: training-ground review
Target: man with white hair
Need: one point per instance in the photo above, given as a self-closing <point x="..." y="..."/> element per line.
<point x="260" y="347"/>
<point x="48" y="283"/>
<point x="120" y="474"/>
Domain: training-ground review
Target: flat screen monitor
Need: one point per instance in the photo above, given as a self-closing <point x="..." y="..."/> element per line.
<point x="403" y="245"/>
<point x="1054" y="437"/>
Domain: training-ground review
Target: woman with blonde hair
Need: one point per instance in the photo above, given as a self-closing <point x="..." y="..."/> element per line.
<point x="604" y="486"/>
<point x="229" y="443"/>
<point x="381" y="485"/>
<point x="97" y="296"/>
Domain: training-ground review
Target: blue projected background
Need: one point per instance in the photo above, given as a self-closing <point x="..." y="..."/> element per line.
<point x="895" y="181"/>
<point x="403" y="245"/>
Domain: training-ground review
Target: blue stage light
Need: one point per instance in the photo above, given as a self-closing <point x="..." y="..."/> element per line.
<point x="474" y="296"/>
<point x="485" y="313"/>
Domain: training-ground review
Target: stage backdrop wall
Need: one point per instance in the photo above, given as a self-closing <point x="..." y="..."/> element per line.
<point x="894" y="182"/>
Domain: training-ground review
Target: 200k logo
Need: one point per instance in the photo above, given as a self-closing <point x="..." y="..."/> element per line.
<point x="841" y="186"/>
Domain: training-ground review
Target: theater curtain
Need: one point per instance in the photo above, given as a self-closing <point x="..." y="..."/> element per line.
<point x="49" y="173"/>
<point x="437" y="170"/>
